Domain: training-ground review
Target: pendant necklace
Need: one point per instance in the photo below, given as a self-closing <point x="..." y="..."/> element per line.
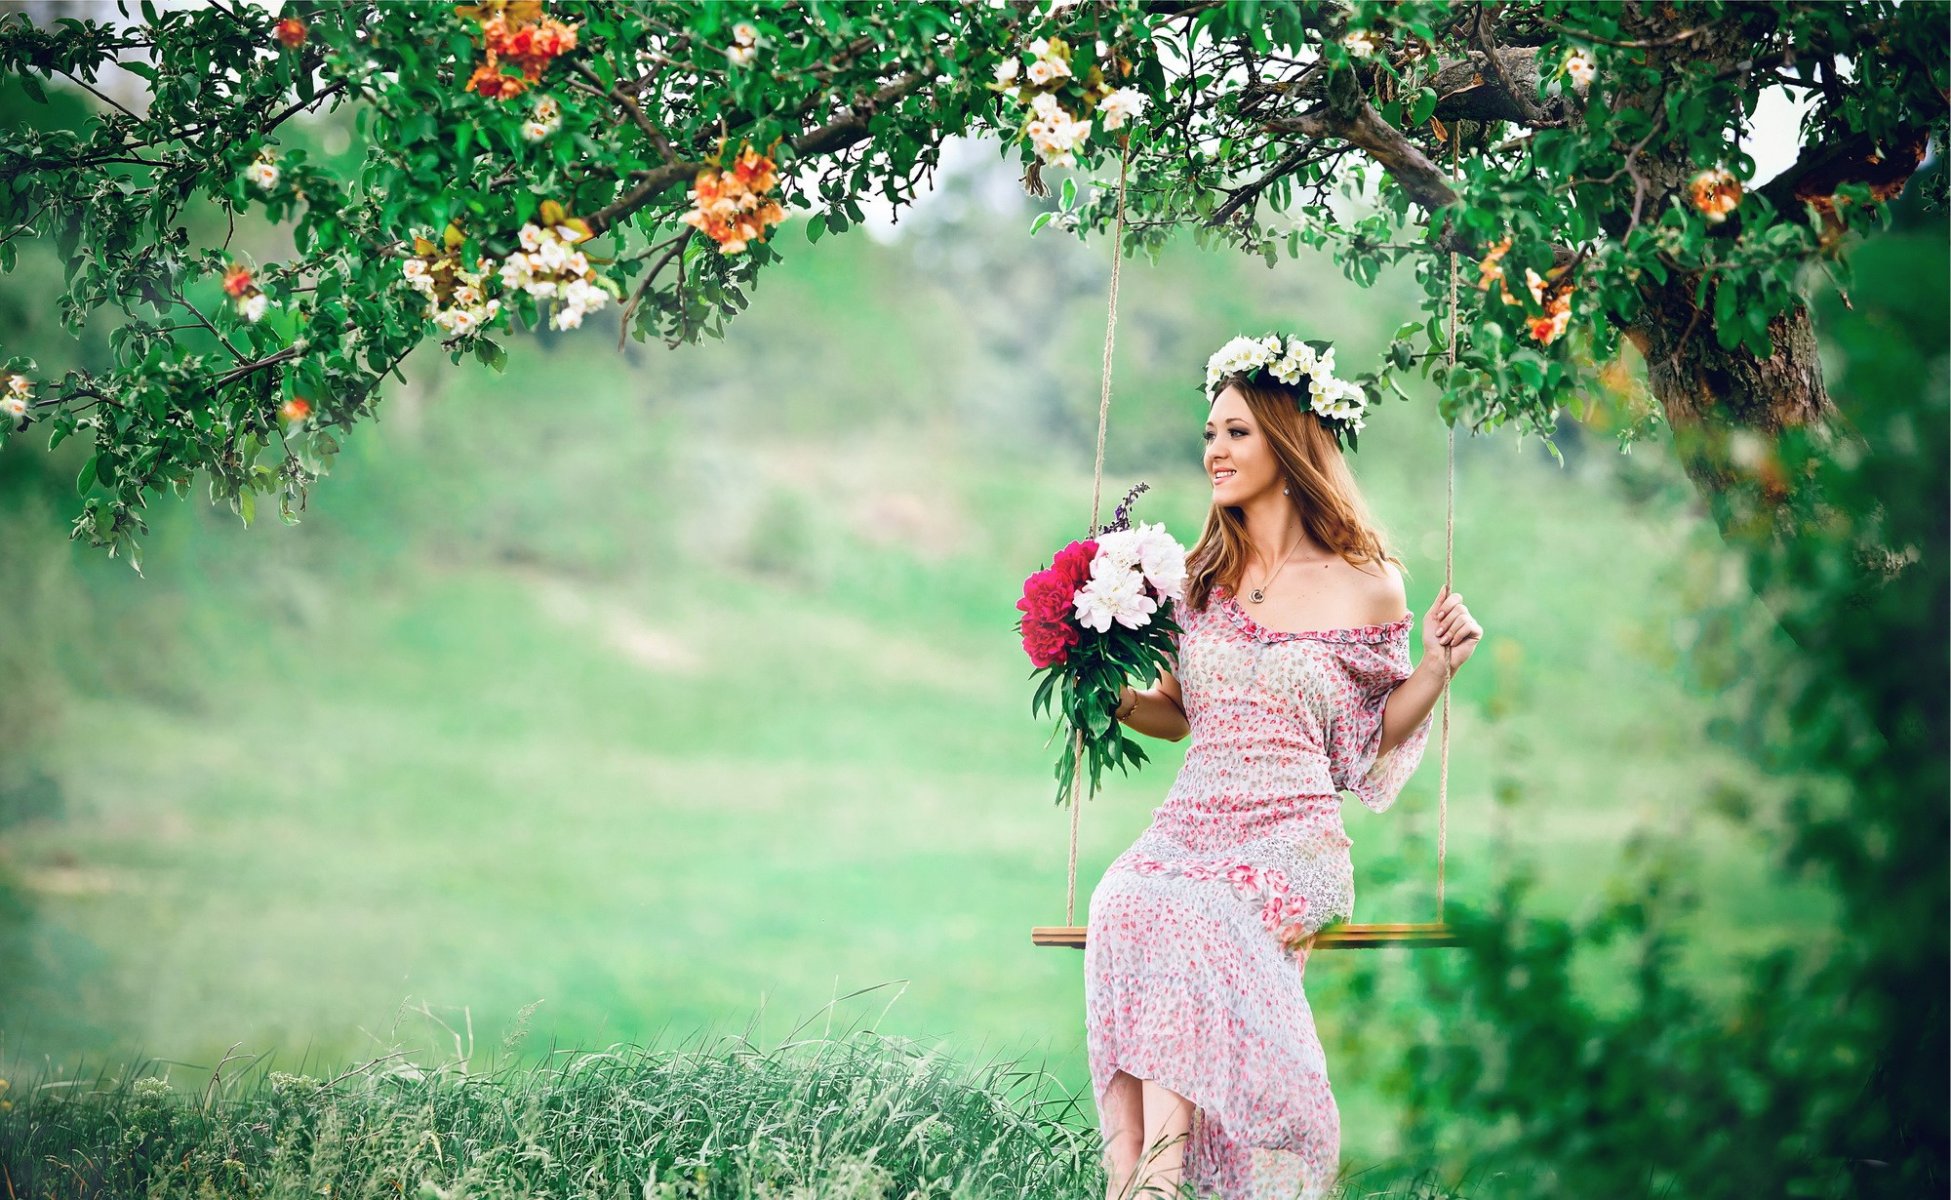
<point x="1256" y="595"/>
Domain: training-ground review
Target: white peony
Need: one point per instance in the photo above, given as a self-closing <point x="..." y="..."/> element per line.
<point x="1120" y="597"/>
<point x="1162" y="560"/>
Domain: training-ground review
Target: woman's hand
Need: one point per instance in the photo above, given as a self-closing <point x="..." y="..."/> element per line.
<point x="1449" y="623"/>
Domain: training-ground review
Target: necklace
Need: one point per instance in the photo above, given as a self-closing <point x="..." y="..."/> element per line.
<point x="1256" y="595"/>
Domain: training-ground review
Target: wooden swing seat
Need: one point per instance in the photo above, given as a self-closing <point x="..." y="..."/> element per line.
<point x="1341" y="937"/>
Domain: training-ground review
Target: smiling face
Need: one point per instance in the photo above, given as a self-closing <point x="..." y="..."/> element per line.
<point x="1239" y="460"/>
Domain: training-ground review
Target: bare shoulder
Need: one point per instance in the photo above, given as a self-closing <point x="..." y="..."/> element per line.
<point x="1379" y="591"/>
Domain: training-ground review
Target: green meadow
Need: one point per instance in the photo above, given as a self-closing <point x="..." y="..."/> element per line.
<point x="675" y="693"/>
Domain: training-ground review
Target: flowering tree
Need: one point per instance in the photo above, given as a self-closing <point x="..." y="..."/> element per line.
<point x="526" y="167"/>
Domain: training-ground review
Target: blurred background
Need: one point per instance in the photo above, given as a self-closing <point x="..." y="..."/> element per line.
<point x="653" y="694"/>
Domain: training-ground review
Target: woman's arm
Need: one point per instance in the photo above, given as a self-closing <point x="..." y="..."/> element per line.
<point x="1448" y="623"/>
<point x="1410" y="702"/>
<point x="1156" y="711"/>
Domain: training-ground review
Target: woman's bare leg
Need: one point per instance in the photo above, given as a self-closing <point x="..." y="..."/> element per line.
<point x="1121" y="1121"/>
<point x="1168" y="1128"/>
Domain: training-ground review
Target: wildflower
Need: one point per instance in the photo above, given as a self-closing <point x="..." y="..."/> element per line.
<point x="290" y="32"/>
<point x="1359" y="44"/>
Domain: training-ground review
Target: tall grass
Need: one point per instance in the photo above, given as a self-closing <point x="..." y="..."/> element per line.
<point x="848" y="1115"/>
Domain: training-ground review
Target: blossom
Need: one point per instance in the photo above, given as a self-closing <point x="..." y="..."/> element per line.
<point x="731" y="206"/>
<point x="19" y="390"/>
<point x="741" y="56"/>
<point x="238" y="281"/>
<point x="1581" y="67"/>
<point x="1007" y="70"/>
<point x="745" y="33"/>
<point x="263" y="173"/>
<point x="527" y="39"/>
<point x="1359" y="44"/>
<point x="1716" y="193"/>
<point x="1120" y="106"/>
<point x="1245" y="877"/>
<point x="253" y="306"/>
<point x="290" y="32"/>
<point x="295" y="409"/>
<point x="1040" y="72"/>
<point x="1490" y="268"/>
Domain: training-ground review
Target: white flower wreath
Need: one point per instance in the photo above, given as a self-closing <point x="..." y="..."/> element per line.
<point x="1340" y="403"/>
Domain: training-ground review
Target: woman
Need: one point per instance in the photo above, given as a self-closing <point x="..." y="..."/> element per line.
<point x="1292" y="675"/>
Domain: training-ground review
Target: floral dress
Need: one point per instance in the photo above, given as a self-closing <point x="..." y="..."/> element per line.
<point x="1187" y="981"/>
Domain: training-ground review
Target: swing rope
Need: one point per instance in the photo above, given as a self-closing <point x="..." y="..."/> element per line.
<point x="1097" y="493"/>
<point x="1372" y="935"/>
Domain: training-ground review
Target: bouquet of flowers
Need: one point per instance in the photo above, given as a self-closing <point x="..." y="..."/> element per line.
<point x="1100" y="614"/>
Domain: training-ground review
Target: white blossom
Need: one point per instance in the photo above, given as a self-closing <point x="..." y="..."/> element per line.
<point x="253" y="306"/>
<point x="1121" y="105"/>
<point x="263" y="173"/>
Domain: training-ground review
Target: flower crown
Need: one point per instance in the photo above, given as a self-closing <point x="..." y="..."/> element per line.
<point x="1339" y="403"/>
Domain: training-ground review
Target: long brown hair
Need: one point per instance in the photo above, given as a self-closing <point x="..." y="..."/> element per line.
<point x="1319" y="484"/>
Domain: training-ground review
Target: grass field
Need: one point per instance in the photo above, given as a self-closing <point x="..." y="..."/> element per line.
<point x="677" y="716"/>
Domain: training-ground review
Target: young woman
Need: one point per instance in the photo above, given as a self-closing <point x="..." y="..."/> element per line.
<point x="1292" y="675"/>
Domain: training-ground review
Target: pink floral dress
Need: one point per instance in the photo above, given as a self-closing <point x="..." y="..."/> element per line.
<point x="1186" y="979"/>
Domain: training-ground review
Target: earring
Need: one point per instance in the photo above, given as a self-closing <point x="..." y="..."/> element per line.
<point x="1283" y="489"/>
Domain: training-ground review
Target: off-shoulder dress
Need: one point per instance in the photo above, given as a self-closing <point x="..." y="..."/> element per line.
<point x="1187" y="980"/>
